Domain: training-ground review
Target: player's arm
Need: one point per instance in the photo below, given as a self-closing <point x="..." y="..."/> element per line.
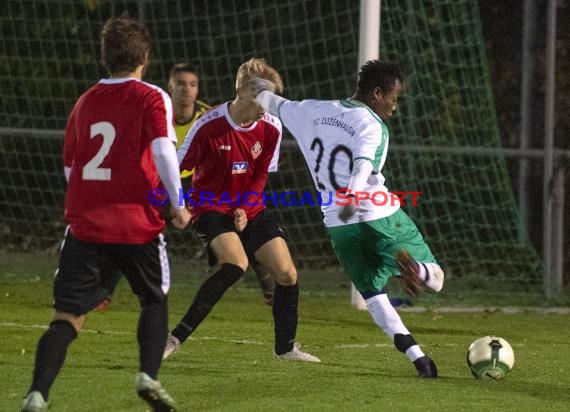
<point x="362" y="168"/>
<point x="296" y="116"/>
<point x="159" y="123"/>
<point x="270" y="101"/>
<point x="264" y="92"/>
<point x="258" y="181"/>
<point x="188" y="152"/>
<point x="164" y="156"/>
<point x="69" y="145"/>
<point x="256" y="185"/>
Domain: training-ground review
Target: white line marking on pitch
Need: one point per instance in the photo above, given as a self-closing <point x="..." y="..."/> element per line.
<point x="112" y="332"/>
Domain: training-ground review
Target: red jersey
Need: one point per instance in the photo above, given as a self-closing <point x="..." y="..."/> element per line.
<point x="108" y="148"/>
<point x="231" y="162"/>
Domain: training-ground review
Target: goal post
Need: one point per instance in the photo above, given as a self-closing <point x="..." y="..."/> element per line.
<point x="368" y="49"/>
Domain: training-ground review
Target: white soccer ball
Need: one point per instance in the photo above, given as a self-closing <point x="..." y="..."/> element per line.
<point x="490" y="357"/>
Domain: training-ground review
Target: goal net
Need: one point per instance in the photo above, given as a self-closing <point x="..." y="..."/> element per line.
<point x="467" y="211"/>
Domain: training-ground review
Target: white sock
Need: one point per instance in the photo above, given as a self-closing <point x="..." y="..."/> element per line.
<point x="434" y="277"/>
<point x="414" y="352"/>
<point x="386" y="317"/>
<point x="422" y="273"/>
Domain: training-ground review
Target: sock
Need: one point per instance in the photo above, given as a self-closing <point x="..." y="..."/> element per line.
<point x="285" y="303"/>
<point x="386" y="317"/>
<point x="414" y="352"/>
<point x="151" y="334"/>
<point x="208" y="295"/>
<point x="50" y="355"/>
<point x="408" y="345"/>
<point x="434" y="276"/>
<point x="423" y="273"/>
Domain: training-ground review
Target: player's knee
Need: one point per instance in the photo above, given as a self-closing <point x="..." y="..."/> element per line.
<point x="232" y="273"/>
<point x="62" y="326"/>
<point x="241" y="262"/>
<point x="404" y="342"/>
<point x="76" y="321"/>
<point x="151" y="298"/>
<point x="285" y="275"/>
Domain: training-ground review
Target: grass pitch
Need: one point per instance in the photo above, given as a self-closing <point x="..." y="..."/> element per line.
<point x="228" y="364"/>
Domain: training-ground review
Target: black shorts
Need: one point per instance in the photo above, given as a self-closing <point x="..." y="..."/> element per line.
<point x="257" y="232"/>
<point x="85" y="268"/>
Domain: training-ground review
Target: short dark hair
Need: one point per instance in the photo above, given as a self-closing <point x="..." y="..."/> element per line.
<point x="375" y="73"/>
<point x="184" y="68"/>
<point x="125" y="44"/>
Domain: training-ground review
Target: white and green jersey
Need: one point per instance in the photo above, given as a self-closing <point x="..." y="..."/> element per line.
<point x="332" y="134"/>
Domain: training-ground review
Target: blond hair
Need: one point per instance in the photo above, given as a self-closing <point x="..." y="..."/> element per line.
<point x="258" y="68"/>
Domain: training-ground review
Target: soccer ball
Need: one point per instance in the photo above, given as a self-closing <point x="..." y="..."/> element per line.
<point x="490" y="357"/>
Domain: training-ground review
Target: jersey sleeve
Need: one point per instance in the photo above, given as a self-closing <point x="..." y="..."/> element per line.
<point x="274" y="163"/>
<point x="190" y="150"/>
<point x="159" y="117"/>
<point x="70" y="140"/>
<point x="297" y="118"/>
<point x="372" y="145"/>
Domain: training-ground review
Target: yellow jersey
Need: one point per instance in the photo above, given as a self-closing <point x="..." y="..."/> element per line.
<point x="182" y="129"/>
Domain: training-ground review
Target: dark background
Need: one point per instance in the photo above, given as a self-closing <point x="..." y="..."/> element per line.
<point x="502" y="23"/>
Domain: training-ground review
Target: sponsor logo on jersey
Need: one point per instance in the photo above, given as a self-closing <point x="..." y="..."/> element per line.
<point x="225" y="147"/>
<point x="239" y="167"/>
<point x="256" y="150"/>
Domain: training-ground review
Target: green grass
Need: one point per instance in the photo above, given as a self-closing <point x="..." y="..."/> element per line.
<point x="228" y="366"/>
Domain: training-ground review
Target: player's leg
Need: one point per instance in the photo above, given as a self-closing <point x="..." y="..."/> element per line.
<point x="147" y="270"/>
<point x="266" y="282"/>
<point x="224" y="247"/>
<point x="356" y="247"/>
<point x="264" y="238"/>
<point x="388" y="319"/>
<point x="109" y="279"/>
<point x="410" y="253"/>
<point x="51" y="352"/>
<point x="394" y="234"/>
<point x="76" y="291"/>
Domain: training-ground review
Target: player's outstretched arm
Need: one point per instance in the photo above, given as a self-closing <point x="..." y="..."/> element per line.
<point x="259" y="85"/>
<point x="264" y="92"/>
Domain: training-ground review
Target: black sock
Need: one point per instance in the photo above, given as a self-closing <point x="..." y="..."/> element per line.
<point x="50" y="355"/>
<point x="151" y="335"/>
<point x="285" y="302"/>
<point x="208" y="295"/>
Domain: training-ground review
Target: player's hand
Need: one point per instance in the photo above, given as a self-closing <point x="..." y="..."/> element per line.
<point x="180" y="217"/>
<point x="240" y="219"/>
<point x="258" y="85"/>
<point x="346" y="212"/>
